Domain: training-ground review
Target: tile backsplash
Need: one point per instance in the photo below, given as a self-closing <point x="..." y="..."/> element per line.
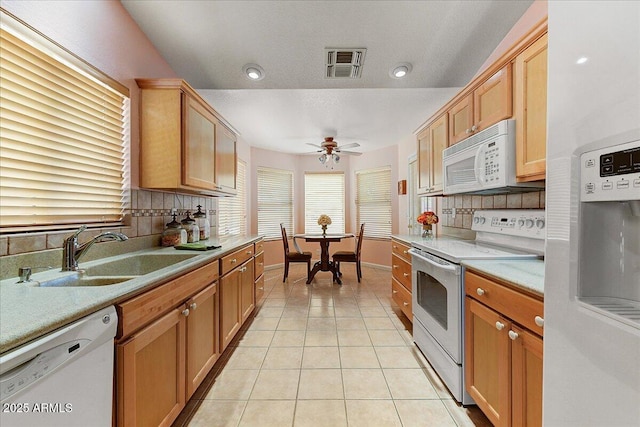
<point x="466" y="204"/>
<point x="147" y="216"/>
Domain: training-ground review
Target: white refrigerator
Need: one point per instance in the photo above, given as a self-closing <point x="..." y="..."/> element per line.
<point x="592" y="262"/>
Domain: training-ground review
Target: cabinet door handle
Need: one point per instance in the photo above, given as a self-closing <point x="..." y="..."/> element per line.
<point x="395" y="266"/>
<point x="233" y="261"/>
<point x="499" y="326"/>
<point x="193" y="306"/>
<point x="468" y="131"/>
<point x="243" y="269"/>
<point x="249" y="252"/>
<point x="185" y="312"/>
<point x="480" y="291"/>
<point x="405" y="304"/>
<point x="260" y="263"/>
<point x="513" y="335"/>
<point x="261" y="289"/>
<point x="405" y="274"/>
<point x="395" y="292"/>
<point x="474" y="128"/>
<point x="405" y="252"/>
<point x="539" y="321"/>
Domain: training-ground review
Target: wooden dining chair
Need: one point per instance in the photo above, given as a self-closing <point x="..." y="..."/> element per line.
<point x="293" y="256"/>
<point x="351" y="256"/>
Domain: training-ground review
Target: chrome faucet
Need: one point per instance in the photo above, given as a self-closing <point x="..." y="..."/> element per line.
<point x="72" y="251"/>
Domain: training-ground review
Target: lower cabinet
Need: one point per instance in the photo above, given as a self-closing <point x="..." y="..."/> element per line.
<point x="401" y="277"/>
<point x="167" y="342"/>
<point x="503" y="359"/>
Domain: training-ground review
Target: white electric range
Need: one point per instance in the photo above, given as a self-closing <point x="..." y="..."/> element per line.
<point x="438" y="283"/>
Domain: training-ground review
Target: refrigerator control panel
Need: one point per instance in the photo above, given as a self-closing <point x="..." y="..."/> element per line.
<point x="611" y="173"/>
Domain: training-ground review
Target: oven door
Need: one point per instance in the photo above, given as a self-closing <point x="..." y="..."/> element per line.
<point x="437" y="300"/>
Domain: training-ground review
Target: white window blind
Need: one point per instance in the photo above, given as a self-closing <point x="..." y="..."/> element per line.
<point x="275" y="202"/>
<point x="373" y="201"/>
<point x="62" y="136"/>
<point x="324" y="194"/>
<point x="232" y="211"/>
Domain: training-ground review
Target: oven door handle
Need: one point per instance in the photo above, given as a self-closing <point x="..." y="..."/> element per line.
<point x="448" y="267"/>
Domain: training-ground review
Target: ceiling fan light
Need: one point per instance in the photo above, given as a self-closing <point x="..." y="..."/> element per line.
<point x="323" y="159"/>
<point x="400" y="70"/>
<point x="253" y="72"/>
<point x="336" y="158"/>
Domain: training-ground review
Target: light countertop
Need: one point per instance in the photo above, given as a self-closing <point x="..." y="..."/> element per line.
<point x="526" y="274"/>
<point x="28" y="312"/>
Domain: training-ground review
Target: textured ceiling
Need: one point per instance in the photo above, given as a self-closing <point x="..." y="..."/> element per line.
<point x="208" y="42"/>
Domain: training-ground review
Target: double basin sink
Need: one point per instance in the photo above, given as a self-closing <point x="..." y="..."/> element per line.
<point x="111" y="272"/>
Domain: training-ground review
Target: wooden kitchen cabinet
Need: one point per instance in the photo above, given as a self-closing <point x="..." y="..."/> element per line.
<point x="202" y="336"/>
<point x="401" y="277"/>
<point x="431" y="143"/>
<point x="530" y="111"/>
<point x="486" y="105"/>
<point x="184" y="145"/>
<point x="503" y="353"/>
<point x="165" y="345"/>
<point x="150" y="383"/>
<point x="237" y="292"/>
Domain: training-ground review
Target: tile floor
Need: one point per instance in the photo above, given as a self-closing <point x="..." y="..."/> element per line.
<point x="325" y="355"/>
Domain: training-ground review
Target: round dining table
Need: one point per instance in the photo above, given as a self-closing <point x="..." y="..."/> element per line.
<point x="325" y="264"/>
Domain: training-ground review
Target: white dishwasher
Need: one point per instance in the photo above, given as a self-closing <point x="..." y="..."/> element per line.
<point x="62" y="379"/>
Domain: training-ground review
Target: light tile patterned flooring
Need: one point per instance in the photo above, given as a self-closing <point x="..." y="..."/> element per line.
<point x="325" y="355"/>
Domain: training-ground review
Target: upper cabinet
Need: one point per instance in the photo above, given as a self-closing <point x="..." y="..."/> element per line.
<point x="530" y="99"/>
<point x="431" y="142"/>
<point x="486" y="105"/>
<point x="184" y="145"/>
<point x="514" y="86"/>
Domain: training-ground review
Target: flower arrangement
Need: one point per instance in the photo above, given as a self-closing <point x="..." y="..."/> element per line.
<point x="427" y="219"/>
<point x="323" y="221"/>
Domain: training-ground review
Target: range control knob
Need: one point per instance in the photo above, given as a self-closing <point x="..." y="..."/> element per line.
<point x="521" y="223"/>
<point x="540" y="223"/>
<point x="529" y="223"/>
<point x="476" y="220"/>
<point x="479" y="220"/>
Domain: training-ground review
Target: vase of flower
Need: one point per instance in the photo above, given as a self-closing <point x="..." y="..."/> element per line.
<point x="323" y="221"/>
<point x="427" y="219"/>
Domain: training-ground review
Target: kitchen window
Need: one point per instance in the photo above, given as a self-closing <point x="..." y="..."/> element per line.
<point x="373" y="201"/>
<point x="324" y="194"/>
<point x="63" y="136"/>
<point x="275" y="202"/>
<point x="232" y="211"/>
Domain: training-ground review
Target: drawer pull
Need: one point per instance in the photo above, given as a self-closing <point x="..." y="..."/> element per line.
<point x="260" y="263"/>
<point x="513" y="335"/>
<point x="405" y="304"/>
<point x="480" y="291"/>
<point x="539" y="321"/>
<point x="499" y="326"/>
<point x="395" y="292"/>
<point x="405" y="252"/>
<point x="243" y="269"/>
<point x="249" y="252"/>
<point x="405" y="274"/>
<point x="185" y="312"/>
<point x="395" y="266"/>
<point x="261" y="289"/>
<point x="193" y="306"/>
<point x="233" y="261"/>
<point x="395" y="247"/>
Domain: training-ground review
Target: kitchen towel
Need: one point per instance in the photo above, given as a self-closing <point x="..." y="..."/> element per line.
<point x="197" y="246"/>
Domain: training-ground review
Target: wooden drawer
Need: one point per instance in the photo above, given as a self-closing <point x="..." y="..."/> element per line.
<point x="143" y="309"/>
<point x="401" y="250"/>
<point x="259" y="267"/>
<point x="519" y="307"/>
<point x="401" y="271"/>
<point x="402" y="297"/>
<point x="259" y="246"/>
<point x="231" y="261"/>
<point x="259" y="288"/>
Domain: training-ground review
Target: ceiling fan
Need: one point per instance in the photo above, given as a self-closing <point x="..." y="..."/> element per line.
<point x="329" y="147"/>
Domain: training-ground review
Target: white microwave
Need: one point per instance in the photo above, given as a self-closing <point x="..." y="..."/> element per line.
<point x="484" y="163"/>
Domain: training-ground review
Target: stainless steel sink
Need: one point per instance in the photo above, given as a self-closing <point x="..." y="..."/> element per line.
<point x="78" y="279"/>
<point x="136" y="265"/>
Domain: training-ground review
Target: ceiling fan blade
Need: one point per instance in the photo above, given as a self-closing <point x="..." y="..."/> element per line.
<point x="350" y="153"/>
<point x="351" y="145"/>
<point x="314" y="145"/>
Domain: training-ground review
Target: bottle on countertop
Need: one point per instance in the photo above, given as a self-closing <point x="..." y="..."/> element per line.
<point x="193" y="231"/>
<point x="203" y="223"/>
<point x="174" y="234"/>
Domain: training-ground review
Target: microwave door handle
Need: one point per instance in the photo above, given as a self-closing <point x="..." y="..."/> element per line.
<point x="478" y="166"/>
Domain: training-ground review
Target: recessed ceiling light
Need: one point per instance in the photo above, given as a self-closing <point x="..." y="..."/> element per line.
<point x="582" y="60"/>
<point x="253" y="72"/>
<point x="400" y="70"/>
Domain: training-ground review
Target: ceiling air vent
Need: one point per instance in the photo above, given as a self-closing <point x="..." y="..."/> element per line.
<point x="344" y="63"/>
